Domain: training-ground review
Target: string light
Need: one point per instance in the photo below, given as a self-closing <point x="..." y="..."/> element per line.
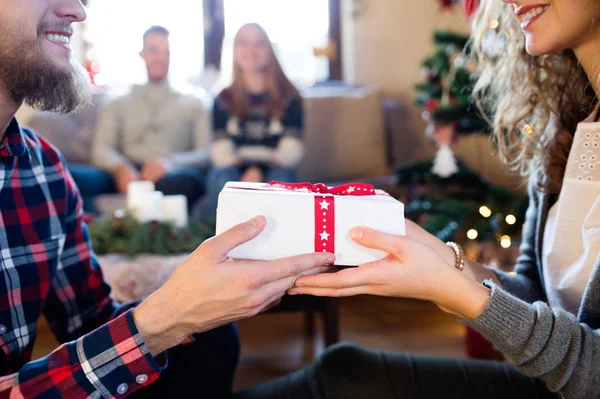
<point x="472" y="234"/>
<point x="511" y="219"/>
<point x="505" y="242"/>
<point x="527" y="130"/>
<point x="485" y="211"/>
<point x="309" y="82"/>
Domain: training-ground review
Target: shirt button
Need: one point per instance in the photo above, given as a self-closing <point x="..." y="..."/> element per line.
<point x="122" y="388"/>
<point x="2" y="329"/>
<point x="142" y="378"/>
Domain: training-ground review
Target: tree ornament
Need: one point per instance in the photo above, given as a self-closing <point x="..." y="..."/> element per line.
<point x="426" y="73"/>
<point x="445" y="164"/>
<point x="447" y="4"/>
<point x="432" y="104"/>
<point x="493" y="44"/>
<point x="470" y="7"/>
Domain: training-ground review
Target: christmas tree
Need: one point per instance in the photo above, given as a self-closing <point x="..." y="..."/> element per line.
<point x="443" y="195"/>
<point x="449" y="79"/>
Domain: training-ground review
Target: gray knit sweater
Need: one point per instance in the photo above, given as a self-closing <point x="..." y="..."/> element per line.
<point x="153" y="121"/>
<point x="547" y="343"/>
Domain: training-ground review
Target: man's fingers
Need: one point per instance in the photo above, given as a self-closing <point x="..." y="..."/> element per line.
<point x="219" y="247"/>
<point x="297" y="265"/>
<point x="329" y="292"/>
<point x="370" y="238"/>
<point x="346" y="278"/>
<point x="280" y="287"/>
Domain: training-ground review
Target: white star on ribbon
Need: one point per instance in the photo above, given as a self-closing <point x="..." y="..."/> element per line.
<point x="324" y="236"/>
<point x="324" y="205"/>
<point x="351" y="189"/>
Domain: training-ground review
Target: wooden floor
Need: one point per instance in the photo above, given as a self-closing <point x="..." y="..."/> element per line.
<point x="273" y="344"/>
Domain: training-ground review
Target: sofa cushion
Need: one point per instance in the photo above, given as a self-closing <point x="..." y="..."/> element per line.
<point x="72" y="134"/>
<point x="344" y="134"/>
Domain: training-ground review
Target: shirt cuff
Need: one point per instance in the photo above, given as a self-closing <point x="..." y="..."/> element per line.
<point x="115" y="359"/>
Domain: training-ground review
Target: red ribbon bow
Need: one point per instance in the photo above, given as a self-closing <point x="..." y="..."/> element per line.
<point x="352" y="189"/>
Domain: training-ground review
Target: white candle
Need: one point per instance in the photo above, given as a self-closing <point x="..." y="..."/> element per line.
<point x="150" y="208"/>
<point x="137" y="191"/>
<point x="175" y="210"/>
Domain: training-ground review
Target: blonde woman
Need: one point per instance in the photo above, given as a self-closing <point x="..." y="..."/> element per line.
<point x="541" y="96"/>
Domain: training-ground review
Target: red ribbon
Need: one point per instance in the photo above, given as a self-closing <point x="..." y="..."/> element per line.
<point x="351" y="189"/>
<point x="325" y="207"/>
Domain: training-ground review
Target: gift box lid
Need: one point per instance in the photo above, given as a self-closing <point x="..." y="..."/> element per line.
<point x="297" y="224"/>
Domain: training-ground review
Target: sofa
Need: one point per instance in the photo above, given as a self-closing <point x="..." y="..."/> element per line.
<point x="345" y="135"/>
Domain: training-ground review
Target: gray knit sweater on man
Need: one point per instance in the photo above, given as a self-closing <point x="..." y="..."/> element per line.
<point x="547" y="343"/>
<point x="154" y="121"/>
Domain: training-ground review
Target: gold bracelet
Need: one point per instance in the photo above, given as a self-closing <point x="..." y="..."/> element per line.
<point x="459" y="255"/>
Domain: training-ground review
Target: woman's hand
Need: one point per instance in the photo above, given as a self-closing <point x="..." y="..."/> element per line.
<point x="411" y="270"/>
<point x="418" y="233"/>
<point x="253" y="175"/>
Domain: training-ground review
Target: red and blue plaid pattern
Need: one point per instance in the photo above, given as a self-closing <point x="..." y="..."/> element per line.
<point x="47" y="267"/>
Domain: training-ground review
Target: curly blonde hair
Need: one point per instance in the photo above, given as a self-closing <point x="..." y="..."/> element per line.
<point x="550" y="93"/>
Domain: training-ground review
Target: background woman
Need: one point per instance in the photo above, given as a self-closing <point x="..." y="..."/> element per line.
<point x="546" y="318"/>
<point x="258" y="120"/>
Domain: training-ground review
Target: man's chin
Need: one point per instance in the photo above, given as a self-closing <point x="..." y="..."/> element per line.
<point x="65" y="89"/>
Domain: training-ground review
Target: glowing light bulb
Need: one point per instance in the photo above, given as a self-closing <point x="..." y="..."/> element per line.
<point x="99" y="79"/>
<point x="472" y="234"/>
<point x="485" y="211"/>
<point x="505" y="242"/>
<point x="511" y="219"/>
<point x="309" y="82"/>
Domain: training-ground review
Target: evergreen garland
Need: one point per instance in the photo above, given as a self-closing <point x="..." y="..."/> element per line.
<point x="124" y="235"/>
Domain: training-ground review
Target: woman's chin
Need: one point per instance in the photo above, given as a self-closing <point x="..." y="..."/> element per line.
<point x="538" y="48"/>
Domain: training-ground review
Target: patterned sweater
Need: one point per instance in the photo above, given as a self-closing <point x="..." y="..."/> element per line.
<point x="259" y="138"/>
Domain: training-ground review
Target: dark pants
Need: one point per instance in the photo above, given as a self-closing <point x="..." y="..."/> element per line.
<point x="348" y="371"/>
<point x="218" y="177"/>
<point x="203" y="369"/>
<point x="93" y="182"/>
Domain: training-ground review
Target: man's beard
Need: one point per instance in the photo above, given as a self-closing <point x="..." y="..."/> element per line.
<point x="30" y="76"/>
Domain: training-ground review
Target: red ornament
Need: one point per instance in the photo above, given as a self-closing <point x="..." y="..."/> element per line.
<point x="432" y="105"/>
<point x="470" y="7"/>
<point x="447" y="4"/>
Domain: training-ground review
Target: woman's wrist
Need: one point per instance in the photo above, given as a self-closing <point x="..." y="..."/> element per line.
<point x="463" y="296"/>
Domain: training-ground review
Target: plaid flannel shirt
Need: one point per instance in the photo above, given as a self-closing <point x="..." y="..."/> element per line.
<point x="47" y="266"/>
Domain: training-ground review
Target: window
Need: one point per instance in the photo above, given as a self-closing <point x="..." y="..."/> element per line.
<point x="294" y="26"/>
<point x="115" y="29"/>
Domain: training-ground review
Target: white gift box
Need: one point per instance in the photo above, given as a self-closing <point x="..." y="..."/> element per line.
<point x="300" y="220"/>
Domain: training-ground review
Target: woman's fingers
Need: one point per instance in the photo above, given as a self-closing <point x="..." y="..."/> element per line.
<point x="374" y="239"/>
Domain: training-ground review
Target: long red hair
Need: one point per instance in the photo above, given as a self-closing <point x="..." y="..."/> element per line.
<point x="279" y="87"/>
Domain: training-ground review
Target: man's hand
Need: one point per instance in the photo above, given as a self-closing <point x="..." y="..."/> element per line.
<point x="209" y="289"/>
<point x="253" y="175"/>
<point x="156" y="169"/>
<point x="125" y="174"/>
